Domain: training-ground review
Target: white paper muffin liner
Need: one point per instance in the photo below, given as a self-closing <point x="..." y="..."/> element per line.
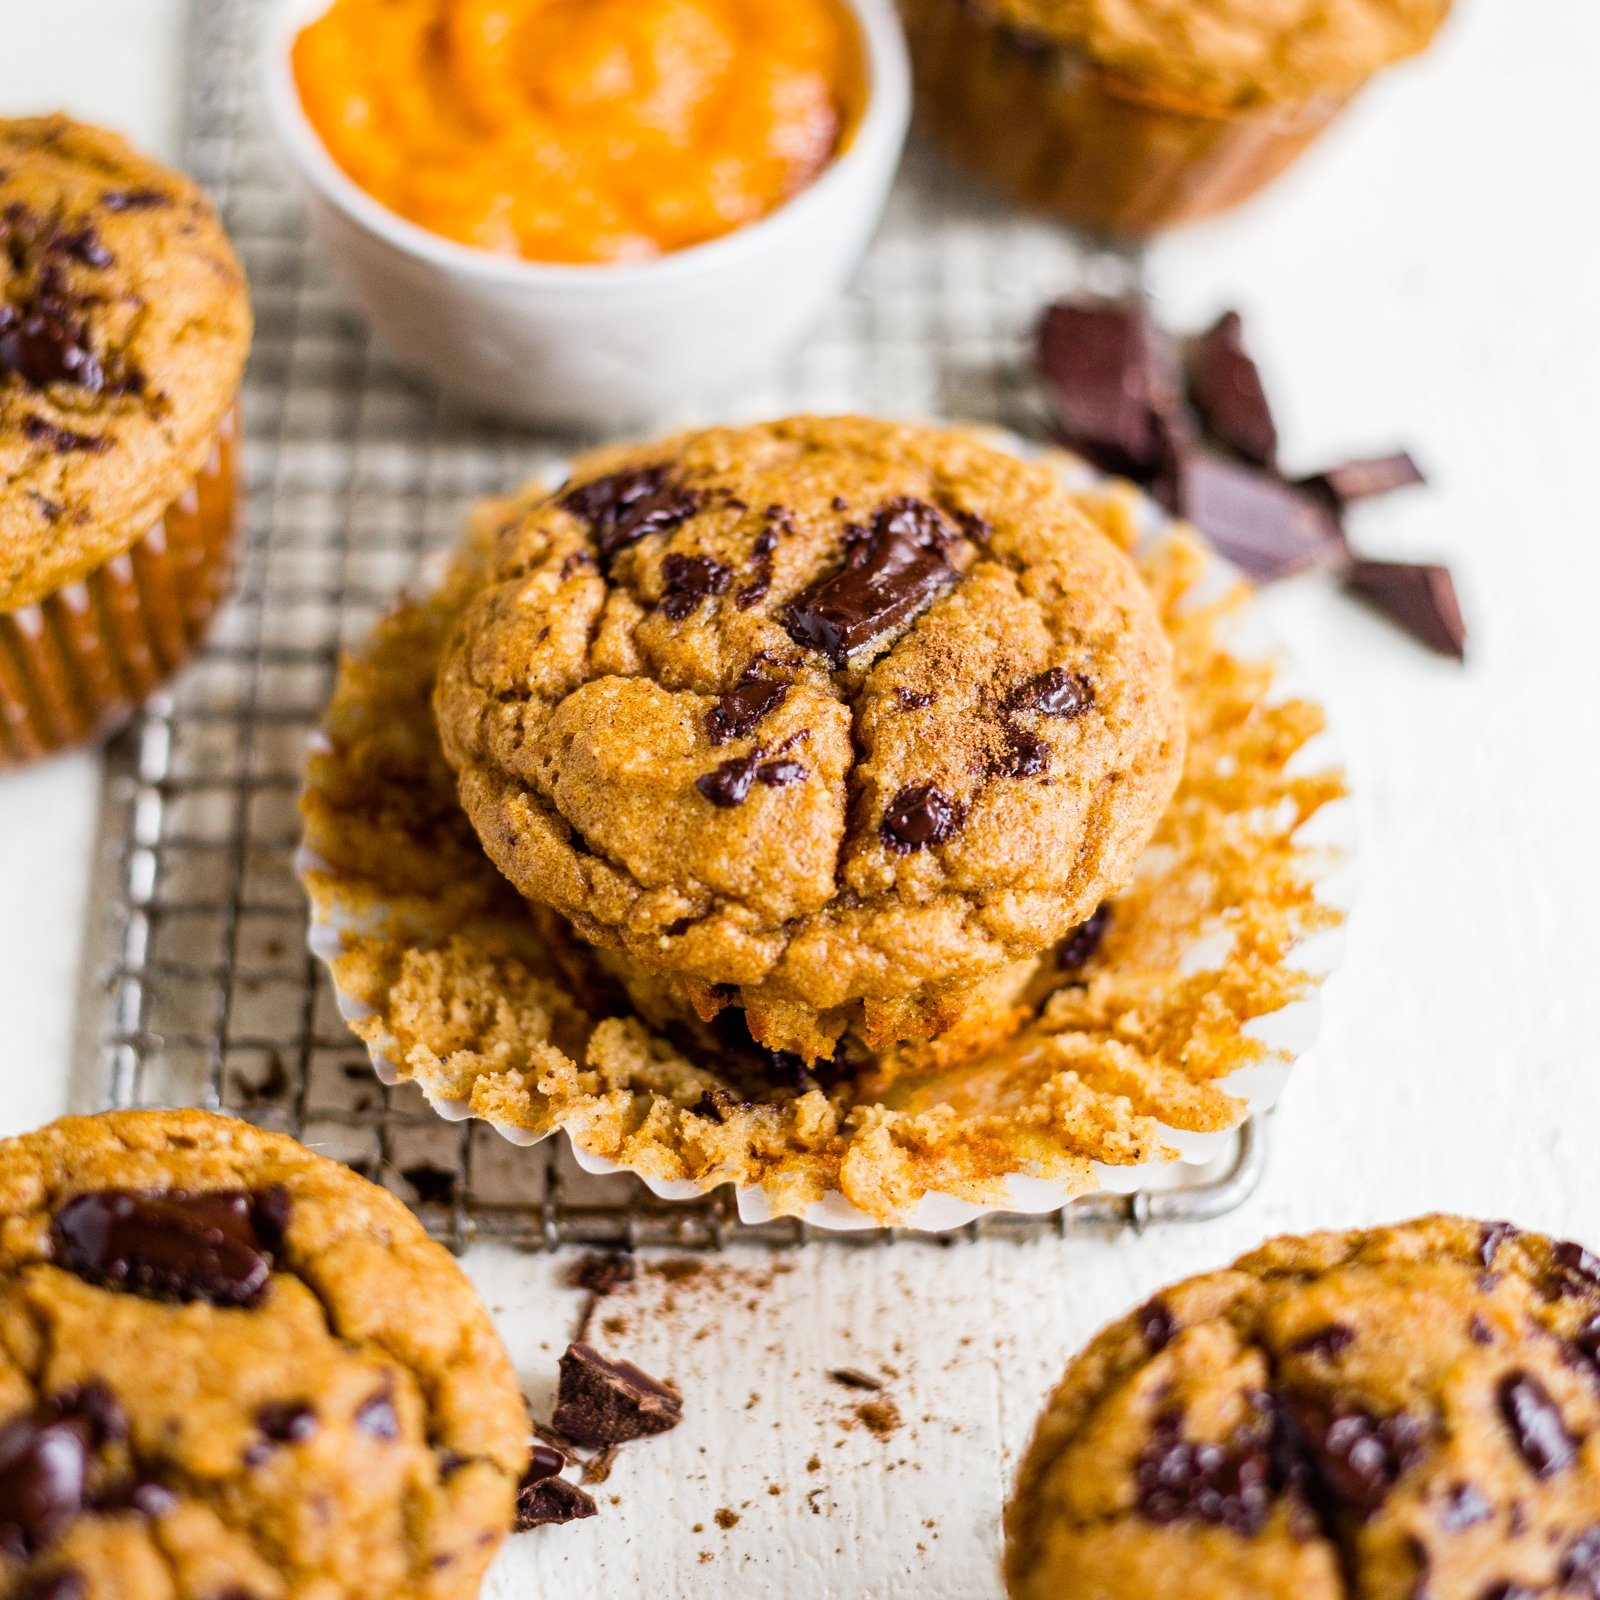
<point x="1289" y="1033"/>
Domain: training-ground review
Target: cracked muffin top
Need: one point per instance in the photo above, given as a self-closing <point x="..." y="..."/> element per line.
<point x="820" y="714"/>
<point x="232" y="1368"/>
<point x="124" y="325"/>
<point x="1236" y="52"/>
<point x="1411" y="1413"/>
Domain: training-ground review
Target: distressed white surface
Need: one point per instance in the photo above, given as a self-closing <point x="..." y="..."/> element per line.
<point x="1426" y="277"/>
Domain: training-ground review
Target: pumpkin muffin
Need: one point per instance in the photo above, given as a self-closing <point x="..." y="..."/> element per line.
<point x="231" y="1367"/>
<point x="1130" y="116"/>
<point x="834" y="720"/>
<point x="1409" y="1411"/>
<point x="124" y="326"/>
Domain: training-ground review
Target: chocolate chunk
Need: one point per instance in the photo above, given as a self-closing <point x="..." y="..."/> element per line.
<point x="376" y="1415"/>
<point x="1421" y="598"/>
<point x="854" y="1378"/>
<point x="1356" y="1457"/>
<point x="738" y="711"/>
<point x="1491" y="1235"/>
<point x="1362" y="480"/>
<point x="1229" y="1485"/>
<point x="171" y="1246"/>
<point x="134" y="199"/>
<point x="730" y="784"/>
<point x="1226" y="389"/>
<point x="1536" y="1425"/>
<point x="1111" y="378"/>
<point x="1478" y="1330"/>
<point x="270" y="1213"/>
<point x="1156" y="1325"/>
<point x="1574" y="1271"/>
<point x="95" y="1405"/>
<point x="1023" y="755"/>
<point x="149" y="1499"/>
<point x="544" y="1461"/>
<point x="64" y="441"/>
<point x="603" y="1402"/>
<point x="1328" y="1343"/>
<point x="286" y="1421"/>
<point x="601" y="1275"/>
<point x="1056" y="693"/>
<point x="546" y="1500"/>
<point x="628" y="506"/>
<point x="893" y="570"/>
<point x="44" y="1462"/>
<point x="83" y="245"/>
<point x="1464" y="1507"/>
<point x="688" y="580"/>
<point x="47" y="345"/>
<point x="1080" y="945"/>
<point x="1586" y="1341"/>
<point x="1267" y="528"/>
<point x="1580" y="1566"/>
<point x="433" y="1186"/>
<point x="920" y="817"/>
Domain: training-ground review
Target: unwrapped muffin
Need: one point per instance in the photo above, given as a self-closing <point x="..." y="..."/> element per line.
<point x="838" y="721"/>
<point x="124" y="325"/>
<point x="1130" y="116"/>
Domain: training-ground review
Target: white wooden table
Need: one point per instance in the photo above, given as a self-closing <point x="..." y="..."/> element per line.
<point x="1426" y="278"/>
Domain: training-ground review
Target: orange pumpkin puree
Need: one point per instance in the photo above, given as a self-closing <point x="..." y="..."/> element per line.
<point x="582" y="130"/>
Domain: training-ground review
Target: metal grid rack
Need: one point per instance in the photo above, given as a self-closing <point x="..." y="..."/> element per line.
<point x="354" y="474"/>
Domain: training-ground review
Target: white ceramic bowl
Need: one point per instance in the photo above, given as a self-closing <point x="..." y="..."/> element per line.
<point x="600" y="346"/>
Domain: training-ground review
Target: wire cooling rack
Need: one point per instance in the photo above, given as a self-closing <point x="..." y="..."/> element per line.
<point x="355" y="473"/>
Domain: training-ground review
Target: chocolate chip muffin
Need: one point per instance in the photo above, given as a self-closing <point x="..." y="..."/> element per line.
<point x="124" y="325"/>
<point x="1408" y="1412"/>
<point x="232" y="1368"/>
<point x="832" y="719"/>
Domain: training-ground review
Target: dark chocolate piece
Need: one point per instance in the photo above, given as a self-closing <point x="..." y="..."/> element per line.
<point x="1586" y="1341"/>
<point x="1464" y="1507"/>
<point x="544" y="1461"/>
<point x="1229" y="1485"/>
<point x="1536" y="1424"/>
<point x="64" y="441"/>
<point x="1491" y="1236"/>
<point x="919" y="817"/>
<point x="1227" y="392"/>
<point x="1573" y="1270"/>
<point x="1157" y="1326"/>
<point x="1579" y="1571"/>
<point x="854" y="1378"/>
<point x="738" y="711"/>
<point x="98" y="1408"/>
<point x="1056" y="693"/>
<point x="1421" y="598"/>
<point x="603" y="1402"/>
<point x="1327" y="1343"/>
<point x="1080" y="945"/>
<point x="625" y="507"/>
<point x="286" y="1421"/>
<point x="1267" y="528"/>
<point x="1025" y="755"/>
<point x="547" y="1500"/>
<point x="134" y="199"/>
<point x="1111" y="375"/>
<point x="44" y="1463"/>
<point x="1362" y="480"/>
<point x="377" y="1417"/>
<point x="893" y="570"/>
<point x="688" y="580"/>
<point x="1356" y="1457"/>
<point x="730" y="784"/>
<point x="171" y="1246"/>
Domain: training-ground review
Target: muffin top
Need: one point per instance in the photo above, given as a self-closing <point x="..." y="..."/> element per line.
<point x="825" y="708"/>
<point x="231" y="1367"/>
<point x="1235" y="52"/>
<point x="124" y="325"/>
<point x="1412" y="1411"/>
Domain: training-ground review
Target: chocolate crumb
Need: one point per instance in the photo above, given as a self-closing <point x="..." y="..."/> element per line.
<point x="601" y="1275"/>
<point x="725" y="1517"/>
<point x="881" y="1417"/>
<point x="853" y="1378"/>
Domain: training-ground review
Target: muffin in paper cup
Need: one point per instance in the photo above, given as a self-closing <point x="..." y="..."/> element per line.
<point x="124" y="326"/>
<point x="1141" y="1043"/>
<point x="1132" y="118"/>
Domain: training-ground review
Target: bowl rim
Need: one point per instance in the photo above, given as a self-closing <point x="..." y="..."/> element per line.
<point x="878" y="138"/>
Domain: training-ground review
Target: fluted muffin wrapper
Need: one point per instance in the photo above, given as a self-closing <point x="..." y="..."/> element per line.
<point x="346" y="919"/>
<point x="76" y="664"/>
<point x="1042" y="123"/>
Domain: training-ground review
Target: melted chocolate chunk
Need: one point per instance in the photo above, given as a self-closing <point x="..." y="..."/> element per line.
<point x="376" y="1415"/>
<point x="1025" y="755"/>
<point x="1056" y="693"/>
<point x="919" y="818"/>
<point x="1328" y="1343"/>
<point x="1266" y="527"/>
<point x="286" y="1421"/>
<point x="1464" y="1507"/>
<point x="1156" y="1325"/>
<point x="1230" y="1485"/>
<point x="1362" y="480"/>
<point x="94" y="1405"/>
<point x="730" y="784"/>
<point x="628" y="506"/>
<point x="737" y="712"/>
<point x="1080" y="945"/>
<point x="44" y="1463"/>
<point x="544" y="1461"/>
<point x="1574" y="1271"/>
<point x="1491" y="1236"/>
<point x="1580" y="1566"/>
<point x="547" y="1500"/>
<point x="601" y="1402"/>
<point x="1355" y="1457"/>
<point x="1586" y="1341"/>
<point x="893" y="570"/>
<point x="83" y="245"/>
<point x="1227" y="392"/>
<point x="169" y="1245"/>
<point x="1536" y="1425"/>
<point x="1419" y="597"/>
<point x="64" y="441"/>
<point x="688" y="580"/>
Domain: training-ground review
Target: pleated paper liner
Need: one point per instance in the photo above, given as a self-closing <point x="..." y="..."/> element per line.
<point x="76" y="664"/>
<point x="1204" y="997"/>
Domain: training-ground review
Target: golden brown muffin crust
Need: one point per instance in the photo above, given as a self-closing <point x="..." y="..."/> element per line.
<point x="663" y="735"/>
<point x="355" y="1431"/>
<point x="124" y="324"/>
<point x="1409" y="1411"/>
<point x="1234" y="52"/>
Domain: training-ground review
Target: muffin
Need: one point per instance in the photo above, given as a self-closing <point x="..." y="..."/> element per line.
<point x="1409" y="1411"/>
<point x="124" y="326"/>
<point x="834" y="721"/>
<point x="230" y="1367"/>
<point x="1130" y="116"/>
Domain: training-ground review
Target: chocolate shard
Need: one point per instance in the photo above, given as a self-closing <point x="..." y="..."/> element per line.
<point x="601" y="1402"/>
<point x="169" y="1245"/>
<point x="1111" y="376"/>
<point x="1227" y="391"/>
<point x="894" y="569"/>
<point x="1363" y="479"/>
<point x="1267" y="528"/>
<point x="1420" y="597"/>
<point x="547" y="1500"/>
